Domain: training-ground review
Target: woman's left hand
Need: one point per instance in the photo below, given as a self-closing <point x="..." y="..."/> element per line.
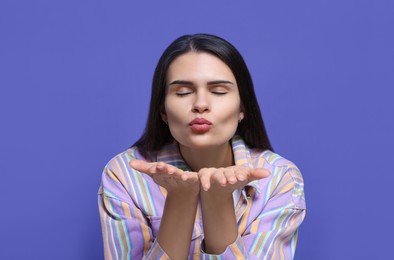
<point x="230" y="178"/>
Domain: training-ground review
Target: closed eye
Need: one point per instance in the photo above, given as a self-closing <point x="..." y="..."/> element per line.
<point x="219" y="92"/>
<point x="182" y="90"/>
<point x="182" y="93"/>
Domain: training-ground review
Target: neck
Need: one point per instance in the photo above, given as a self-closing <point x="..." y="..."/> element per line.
<point x="217" y="157"/>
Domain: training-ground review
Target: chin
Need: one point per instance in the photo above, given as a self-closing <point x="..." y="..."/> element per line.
<point x="204" y="142"/>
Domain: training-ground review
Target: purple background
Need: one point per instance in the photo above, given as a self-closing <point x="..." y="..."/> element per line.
<point x="75" y="83"/>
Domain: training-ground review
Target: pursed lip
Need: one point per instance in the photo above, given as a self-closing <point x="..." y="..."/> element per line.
<point x="200" y="121"/>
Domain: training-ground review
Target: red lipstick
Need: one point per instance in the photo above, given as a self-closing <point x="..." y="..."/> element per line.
<point x="200" y="125"/>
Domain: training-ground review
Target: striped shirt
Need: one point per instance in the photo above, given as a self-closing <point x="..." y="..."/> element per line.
<point x="268" y="211"/>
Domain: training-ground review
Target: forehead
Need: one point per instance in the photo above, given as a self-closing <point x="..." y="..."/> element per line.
<point x="199" y="66"/>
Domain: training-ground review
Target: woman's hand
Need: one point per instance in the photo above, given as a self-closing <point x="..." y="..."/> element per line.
<point x="230" y="178"/>
<point x="220" y="179"/>
<point x="168" y="176"/>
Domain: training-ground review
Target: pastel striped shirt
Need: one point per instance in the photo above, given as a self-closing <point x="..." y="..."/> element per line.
<point x="268" y="211"/>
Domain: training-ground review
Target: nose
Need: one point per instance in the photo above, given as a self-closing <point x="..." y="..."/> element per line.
<point x="201" y="103"/>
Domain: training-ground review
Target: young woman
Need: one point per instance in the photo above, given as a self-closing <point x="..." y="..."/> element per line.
<point x="203" y="181"/>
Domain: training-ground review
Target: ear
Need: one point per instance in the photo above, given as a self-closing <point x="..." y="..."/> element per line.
<point x="241" y="116"/>
<point x="163" y="116"/>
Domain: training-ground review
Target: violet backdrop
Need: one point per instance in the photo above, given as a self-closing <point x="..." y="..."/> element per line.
<point x="75" y="86"/>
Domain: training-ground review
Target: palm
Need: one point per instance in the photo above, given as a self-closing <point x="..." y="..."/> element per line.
<point x="230" y="178"/>
<point x="168" y="176"/>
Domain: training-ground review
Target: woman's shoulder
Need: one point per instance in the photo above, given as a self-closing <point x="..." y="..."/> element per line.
<point x="118" y="170"/>
<point x="284" y="174"/>
<point x="279" y="166"/>
<point x="258" y="157"/>
<point x="121" y="160"/>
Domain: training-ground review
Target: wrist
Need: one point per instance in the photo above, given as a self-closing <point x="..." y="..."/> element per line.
<point x="183" y="195"/>
<point x="219" y="195"/>
<point x="217" y="200"/>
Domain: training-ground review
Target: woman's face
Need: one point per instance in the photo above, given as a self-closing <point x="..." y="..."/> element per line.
<point x="202" y="104"/>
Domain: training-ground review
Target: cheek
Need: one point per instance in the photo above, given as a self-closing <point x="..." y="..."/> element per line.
<point x="174" y="111"/>
<point x="230" y="111"/>
<point x="175" y="119"/>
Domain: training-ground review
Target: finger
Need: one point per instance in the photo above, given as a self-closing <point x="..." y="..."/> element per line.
<point x="242" y="174"/>
<point x="142" y="166"/>
<point x="229" y="174"/>
<point x="185" y="176"/>
<point x="168" y="168"/>
<point x="172" y="170"/>
<point x="165" y="168"/>
<point x="153" y="168"/>
<point x="190" y="176"/>
<point x="205" y="179"/>
<point x="258" y="174"/>
<point x="161" y="167"/>
<point x="219" y="177"/>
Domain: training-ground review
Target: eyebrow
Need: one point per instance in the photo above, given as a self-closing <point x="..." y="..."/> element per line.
<point x="186" y="82"/>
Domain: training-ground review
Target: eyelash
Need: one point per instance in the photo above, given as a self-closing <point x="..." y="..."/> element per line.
<point x="182" y="94"/>
<point x="187" y="93"/>
<point x="219" y="93"/>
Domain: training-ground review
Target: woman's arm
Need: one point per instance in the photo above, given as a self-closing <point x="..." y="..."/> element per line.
<point x="220" y="225"/>
<point x="180" y="208"/>
<point x="177" y="224"/>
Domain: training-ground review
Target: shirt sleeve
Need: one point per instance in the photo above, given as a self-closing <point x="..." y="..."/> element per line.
<point x="273" y="233"/>
<point x="125" y="229"/>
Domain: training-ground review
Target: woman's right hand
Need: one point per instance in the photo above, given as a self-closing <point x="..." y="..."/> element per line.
<point x="168" y="176"/>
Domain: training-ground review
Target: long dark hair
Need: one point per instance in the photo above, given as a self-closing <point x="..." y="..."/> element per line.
<point x="251" y="128"/>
